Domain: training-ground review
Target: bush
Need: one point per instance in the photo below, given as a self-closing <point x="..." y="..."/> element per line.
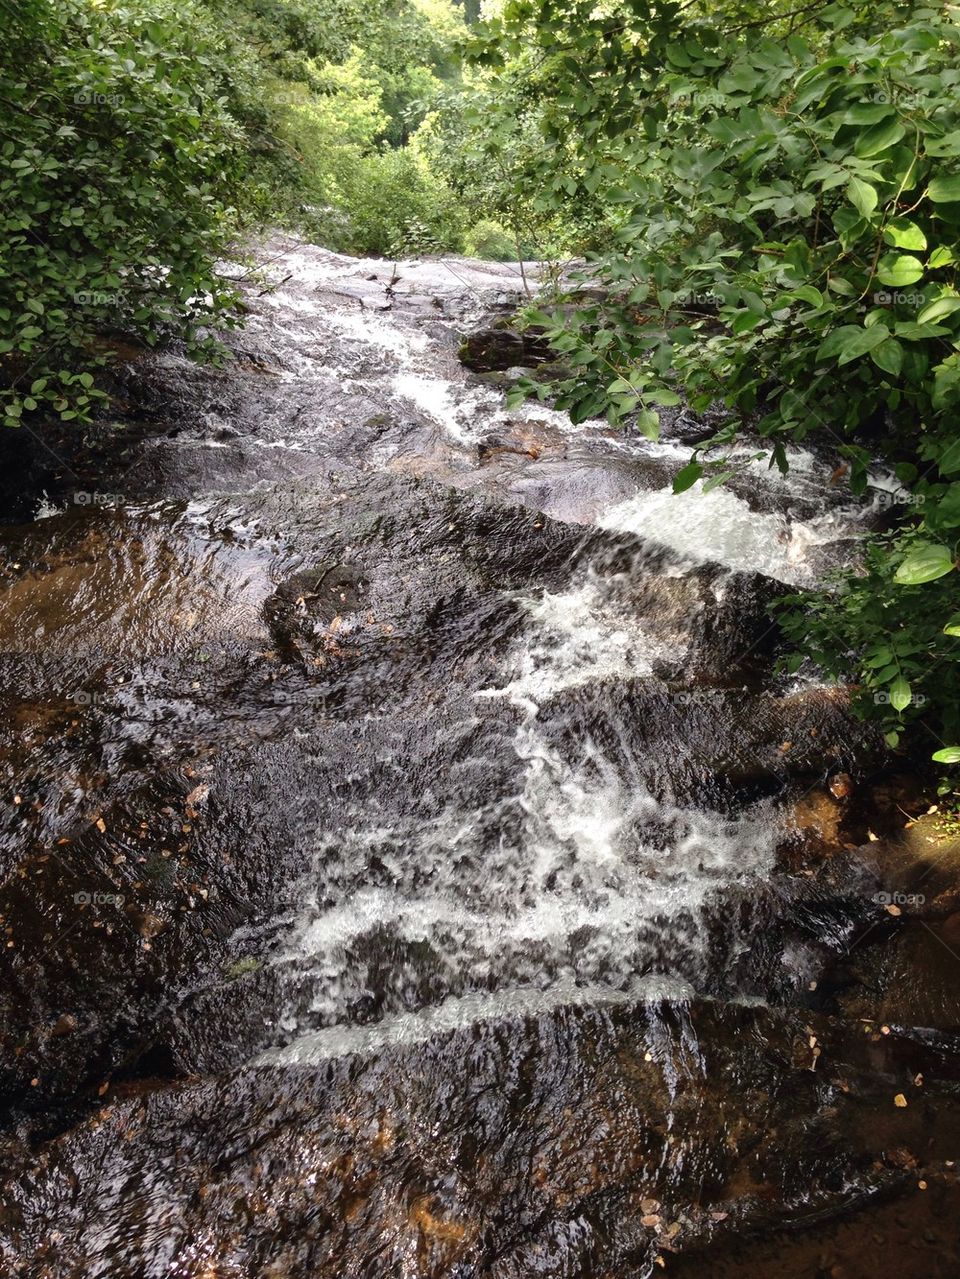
<point x="119" y="161"/>
<point x="488" y="240"/>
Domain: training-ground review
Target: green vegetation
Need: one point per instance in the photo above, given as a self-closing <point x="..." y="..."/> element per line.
<point x="767" y="196"/>
<point x="109" y="220"/>
<point x="786" y="188"/>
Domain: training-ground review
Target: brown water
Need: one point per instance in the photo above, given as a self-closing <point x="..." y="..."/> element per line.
<point x="413" y="864"/>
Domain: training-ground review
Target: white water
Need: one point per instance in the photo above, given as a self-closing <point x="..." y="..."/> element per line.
<point x="452" y="1014"/>
<point x="573" y="883"/>
<point x="719" y="527"/>
<point x="579" y="636"/>
<point x="576" y="878"/>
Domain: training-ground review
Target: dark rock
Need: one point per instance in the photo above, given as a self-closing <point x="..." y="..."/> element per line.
<point x="501" y="347"/>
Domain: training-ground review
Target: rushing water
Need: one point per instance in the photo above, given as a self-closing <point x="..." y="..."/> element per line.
<point x="416" y="865"/>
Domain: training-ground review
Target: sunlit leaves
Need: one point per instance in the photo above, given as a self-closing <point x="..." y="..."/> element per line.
<point x="945" y="189"/>
<point x="788" y="223"/>
<point x="925" y="563"/>
<point x="899" y="270"/>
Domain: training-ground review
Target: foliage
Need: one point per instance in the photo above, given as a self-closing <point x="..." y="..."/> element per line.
<point x="487" y="239"/>
<point x="358" y="193"/>
<point x="109" y="221"/>
<point x="902" y="636"/>
<point x="490" y="149"/>
<point x="789" y="189"/>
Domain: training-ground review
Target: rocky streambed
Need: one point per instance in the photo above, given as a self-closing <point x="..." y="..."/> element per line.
<point x="413" y="864"/>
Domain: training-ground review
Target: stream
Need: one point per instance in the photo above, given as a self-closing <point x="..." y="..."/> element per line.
<point x="415" y="863"/>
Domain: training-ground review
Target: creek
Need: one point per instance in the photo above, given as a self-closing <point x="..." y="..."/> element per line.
<point x="415" y="862"/>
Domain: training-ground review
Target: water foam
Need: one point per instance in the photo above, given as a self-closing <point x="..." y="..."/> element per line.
<point x="456" y="1013"/>
<point x="583" y="635"/>
<point x="719" y="527"/>
<point x="574" y="876"/>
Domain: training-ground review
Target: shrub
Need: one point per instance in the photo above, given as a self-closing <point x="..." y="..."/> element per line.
<point x="119" y="159"/>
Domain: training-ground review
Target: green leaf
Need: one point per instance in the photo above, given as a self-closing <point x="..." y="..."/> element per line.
<point x="937" y="309"/>
<point x="899" y="270"/>
<point x="888" y="356"/>
<point x="862" y="342"/>
<point x="667" y="399"/>
<point x="945" y="190"/>
<point x="715" y="481"/>
<point x="868" y="113"/>
<point x="880" y="138"/>
<point x="807" y="293"/>
<point x="648" y="423"/>
<point x="904" y="234"/>
<point x="862" y="196"/>
<point x="948" y="145"/>
<point x="900" y="694"/>
<point x="925" y="563"/>
<point x="953" y="625"/>
<point x="687" y="477"/>
<point x="879" y="657"/>
<point x="836" y="340"/>
<point x="949" y="755"/>
<point x="910" y="331"/>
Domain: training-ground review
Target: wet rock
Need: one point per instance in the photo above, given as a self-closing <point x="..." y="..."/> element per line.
<point x="950" y="930"/>
<point x="312" y="605"/>
<point x="373" y="1160"/>
<point x="841" y="786"/>
<point x="818" y="817"/>
<point x="501" y="347"/>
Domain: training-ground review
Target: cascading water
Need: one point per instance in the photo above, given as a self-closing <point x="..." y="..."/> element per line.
<point x="420" y="841"/>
